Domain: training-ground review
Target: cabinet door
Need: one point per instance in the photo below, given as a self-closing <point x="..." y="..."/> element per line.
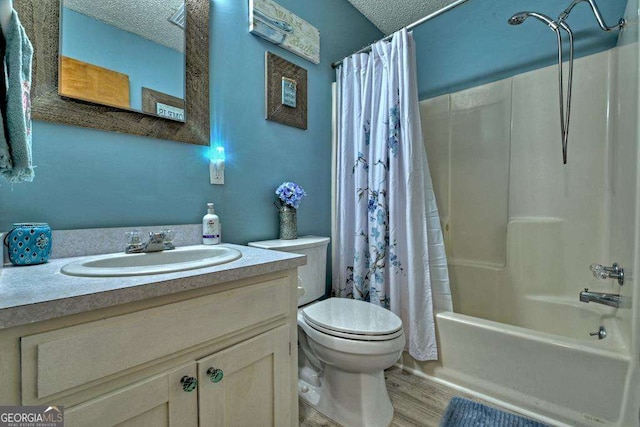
<point x="155" y="402"/>
<point x="255" y="388"/>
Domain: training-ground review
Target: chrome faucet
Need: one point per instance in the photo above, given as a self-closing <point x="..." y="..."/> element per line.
<point x="612" y="300"/>
<point x="158" y="241"/>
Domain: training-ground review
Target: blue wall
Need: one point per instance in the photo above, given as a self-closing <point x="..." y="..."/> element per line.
<point x="472" y="44"/>
<point x="147" y="63"/>
<point x="87" y="178"/>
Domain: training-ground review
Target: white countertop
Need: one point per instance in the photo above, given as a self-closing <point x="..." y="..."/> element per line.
<point x="40" y="292"/>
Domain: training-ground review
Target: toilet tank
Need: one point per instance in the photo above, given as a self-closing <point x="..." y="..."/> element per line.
<point x="312" y="275"/>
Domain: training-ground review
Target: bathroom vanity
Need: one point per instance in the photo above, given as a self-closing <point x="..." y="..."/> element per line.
<point x="212" y="346"/>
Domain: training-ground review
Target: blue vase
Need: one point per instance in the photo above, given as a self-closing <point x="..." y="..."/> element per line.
<point x="29" y="243"/>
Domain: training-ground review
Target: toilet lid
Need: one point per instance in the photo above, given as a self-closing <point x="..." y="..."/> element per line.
<point x="351" y="317"/>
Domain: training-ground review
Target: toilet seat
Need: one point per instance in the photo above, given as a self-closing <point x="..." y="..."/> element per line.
<point x="353" y="320"/>
<point x="355" y="337"/>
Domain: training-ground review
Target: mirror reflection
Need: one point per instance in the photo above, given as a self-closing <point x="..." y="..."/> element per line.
<point x="125" y="54"/>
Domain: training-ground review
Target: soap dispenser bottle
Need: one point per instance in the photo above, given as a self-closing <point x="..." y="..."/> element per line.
<point x="210" y="227"/>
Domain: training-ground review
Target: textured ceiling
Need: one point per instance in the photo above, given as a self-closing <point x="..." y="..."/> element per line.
<point x="146" y="18"/>
<point x="392" y="15"/>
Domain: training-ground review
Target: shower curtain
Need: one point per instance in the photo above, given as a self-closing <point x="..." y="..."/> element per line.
<point x="390" y="249"/>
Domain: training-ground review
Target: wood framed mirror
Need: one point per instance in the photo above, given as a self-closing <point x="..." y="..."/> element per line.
<point x="41" y="20"/>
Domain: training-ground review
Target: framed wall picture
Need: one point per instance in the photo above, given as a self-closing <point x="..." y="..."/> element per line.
<point x="274" y="23"/>
<point x="285" y="92"/>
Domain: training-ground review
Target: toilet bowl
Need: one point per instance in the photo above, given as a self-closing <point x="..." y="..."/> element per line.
<point x="344" y="345"/>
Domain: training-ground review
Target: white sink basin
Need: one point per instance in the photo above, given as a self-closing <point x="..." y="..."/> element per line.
<point x="120" y="264"/>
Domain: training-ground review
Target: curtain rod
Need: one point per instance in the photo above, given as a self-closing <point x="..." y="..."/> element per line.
<point x="408" y="27"/>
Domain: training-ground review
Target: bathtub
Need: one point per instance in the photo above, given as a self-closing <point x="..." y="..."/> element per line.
<point x="547" y="365"/>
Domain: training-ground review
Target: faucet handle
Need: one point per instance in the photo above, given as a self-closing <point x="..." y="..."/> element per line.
<point x="613" y="272"/>
<point x="599" y="271"/>
<point x="169" y="237"/>
<point x="133" y="237"/>
<point x="134" y="241"/>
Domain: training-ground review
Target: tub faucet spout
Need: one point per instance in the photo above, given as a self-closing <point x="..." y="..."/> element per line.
<point x="612" y="300"/>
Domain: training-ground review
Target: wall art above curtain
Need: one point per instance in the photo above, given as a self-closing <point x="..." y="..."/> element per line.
<point x="276" y="24"/>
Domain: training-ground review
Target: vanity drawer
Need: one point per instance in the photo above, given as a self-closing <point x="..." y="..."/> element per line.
<point x="60" y="360"/>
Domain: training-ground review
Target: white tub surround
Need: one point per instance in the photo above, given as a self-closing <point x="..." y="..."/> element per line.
<point x="522" y="229"/>
<point x="140" y="343"/>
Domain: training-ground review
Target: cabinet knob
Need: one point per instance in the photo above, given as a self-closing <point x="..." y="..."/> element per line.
<point x="215" y="375"/>
<point x="188" y="383"/>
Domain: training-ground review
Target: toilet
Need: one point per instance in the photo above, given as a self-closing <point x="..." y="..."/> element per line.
<point x="344" y="345"/>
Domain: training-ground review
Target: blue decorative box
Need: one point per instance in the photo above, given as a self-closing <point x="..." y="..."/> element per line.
<point x="29" y="243"/>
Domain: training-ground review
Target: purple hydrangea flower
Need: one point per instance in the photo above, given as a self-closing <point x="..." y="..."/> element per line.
<point x="290" y="194"/>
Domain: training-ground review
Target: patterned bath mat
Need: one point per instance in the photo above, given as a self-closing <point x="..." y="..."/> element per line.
<point x="465" y="413"/>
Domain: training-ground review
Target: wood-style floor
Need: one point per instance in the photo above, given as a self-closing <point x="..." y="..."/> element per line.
<point x="416" y="402"/>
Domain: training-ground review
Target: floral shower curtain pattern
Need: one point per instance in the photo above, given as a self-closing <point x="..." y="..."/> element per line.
<point x="390" y="245"/>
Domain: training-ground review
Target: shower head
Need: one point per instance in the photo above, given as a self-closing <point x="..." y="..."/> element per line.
<point x="520" y="17"/>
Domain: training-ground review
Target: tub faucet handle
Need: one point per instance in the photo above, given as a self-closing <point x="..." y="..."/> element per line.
<point x="599" y="271"/>
<point x="614" y="272"/>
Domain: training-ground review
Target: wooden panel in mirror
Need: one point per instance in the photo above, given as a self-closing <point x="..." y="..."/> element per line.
<point x="41" y="21"/>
